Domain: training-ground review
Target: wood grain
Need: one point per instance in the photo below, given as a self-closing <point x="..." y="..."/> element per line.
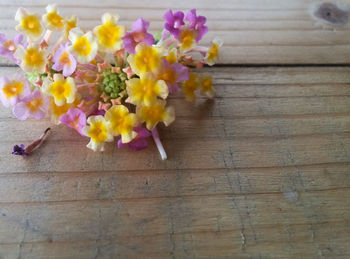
<point x="262" y="172"/>
<point x="254" y="31"/>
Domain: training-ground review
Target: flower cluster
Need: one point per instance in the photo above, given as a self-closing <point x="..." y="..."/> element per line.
<point x="107" y="82"/>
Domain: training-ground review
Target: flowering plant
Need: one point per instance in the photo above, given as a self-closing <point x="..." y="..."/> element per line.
<point x="107" y="82"/>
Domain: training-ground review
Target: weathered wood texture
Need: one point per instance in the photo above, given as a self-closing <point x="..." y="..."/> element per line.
<point x="254" y="31"/>
<point x="261" y="172"/>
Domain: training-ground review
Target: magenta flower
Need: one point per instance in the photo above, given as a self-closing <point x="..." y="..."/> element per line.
<point x="65" y="61"/>
<point x="139" y="34"/>
<point x="8" y="47"/>
<point x="197" y="23"/>
<point x="173" y="22"/>
<point x="173" y="74"/>
<point x="75" y="119"/>
<point x="138" y="143"/>
<point x="34" y="104"/>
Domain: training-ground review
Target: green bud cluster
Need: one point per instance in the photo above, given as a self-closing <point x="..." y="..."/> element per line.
<point x="113" y="84"/>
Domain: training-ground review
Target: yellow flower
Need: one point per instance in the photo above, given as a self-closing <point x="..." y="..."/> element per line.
<point x="33" y="59"/>
<point x="61" y="89"/>
<point x="29" y="24"/>
<point x="187" y="38"/>
<point x="207" y="86"/>
<point x="98" y="132"/>
<point x="190" y="86"/>
<point x="69" y="24"/>
<point x="109" y="34"/>
<point x="84" y="46"/>
<point x="53" y="20"/>
<point x="146" y="59"/>
<point x="146" y="89"/>
<point x="172" y="56"/>
<point x="213" y="52"/>
<point x="155" y="113"/>
<point x="121" y="122"/>
<point x="57" y="111"/>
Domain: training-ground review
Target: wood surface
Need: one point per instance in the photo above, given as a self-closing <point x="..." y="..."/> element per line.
<point x="262" y="171"/>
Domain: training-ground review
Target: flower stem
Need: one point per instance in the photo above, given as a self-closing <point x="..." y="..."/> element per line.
<point x="159" y="144"/>
<point x="37" y="142"/>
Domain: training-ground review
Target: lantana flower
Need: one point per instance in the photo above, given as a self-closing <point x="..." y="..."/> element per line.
<point x="74" y="118"/>
<point x="29" y="24"/>
<point x="155" y="113"/>
<point x="98" y="132"/>
<point x="69" y="24"/>
<point x="172" y="75"/>
<point x="84" y="46"/>
<point x="197" y="23"/>
<point x="33" y="104"/>
<point x="139" y="34"/>
<point x="61" y="89"/>
<point x="12" y="90"/>
<point x="121" y="122"/>
<point x="9" y="47"/>
<point x="139" y="142"/>
<point x="173" y="22"/>
<point x="207" y="86"/>
<point x="109" y="34"/>
<point x="146" y="59"/>
<point x="187" y="38"/>
<point x="213" y="52"/>
<point x="53" y="20"/>
<point x="190" y="86"/>
<point x="64" y="61"/>
<point x="33" y="59"/>
<point x="55" y="111"/>
<point x="146" y="89"/>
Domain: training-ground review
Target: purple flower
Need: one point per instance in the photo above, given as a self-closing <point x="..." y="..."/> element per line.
<point x="138" y="143"/>
<point x="173" y="75"/>
<point x="197" y="23"/>
<point x="139" y="34"/>
<point x="74" y="118"/>
<point x="173" y="22"/>
<point x="34" y="104"/>
<point x="65" y="61"/>
<point x="19" y="150"/>
<point x="8" y="47"/>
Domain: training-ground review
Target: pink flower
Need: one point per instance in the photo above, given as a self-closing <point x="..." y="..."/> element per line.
<point x="138" y="143"/>
<point x="197" y="23"/>
<point x="12" y="90"/>
<point x="65" y="61"/>
<point x="34" y="104"/>
<point x="8" y="47"/>
<point x="173" y="22"/>
<point x="173" y="75"/>
<point x="75" y="119"/>
<point x="139" y="34"/>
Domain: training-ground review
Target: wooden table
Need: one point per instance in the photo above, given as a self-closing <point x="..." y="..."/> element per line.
<point x="263" y="171"/>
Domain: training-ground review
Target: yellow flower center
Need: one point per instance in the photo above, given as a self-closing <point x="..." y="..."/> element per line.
<point x="190" y="86"/>
<point x="206" y="84"/>
<point x="34" y="57"/>
<point x="109" y="34"/>
<point x="98" y="132"/>
<point x="13" y="88"/>
<point x="57" y="111"/>
<point x="213" y="52"/>
<point x="31" y="24"/>
<point x="168" y="76"/>
<point x="34" y="104"/>
<point x="55" y="19"/>
<point x="153" y="114"/>
<point x="70" y="24"/>
<point x="60" y="89"/>
<point x="171" y="58"/>
<point x="82" y="46"/>
<point x="9" y="45"/>
<point x="65" y="58"/>
<point x="147" y="59"/>
<point x="187" y="39"/>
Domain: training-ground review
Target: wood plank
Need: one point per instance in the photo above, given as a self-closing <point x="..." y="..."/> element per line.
<point x="272" y="32"/>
